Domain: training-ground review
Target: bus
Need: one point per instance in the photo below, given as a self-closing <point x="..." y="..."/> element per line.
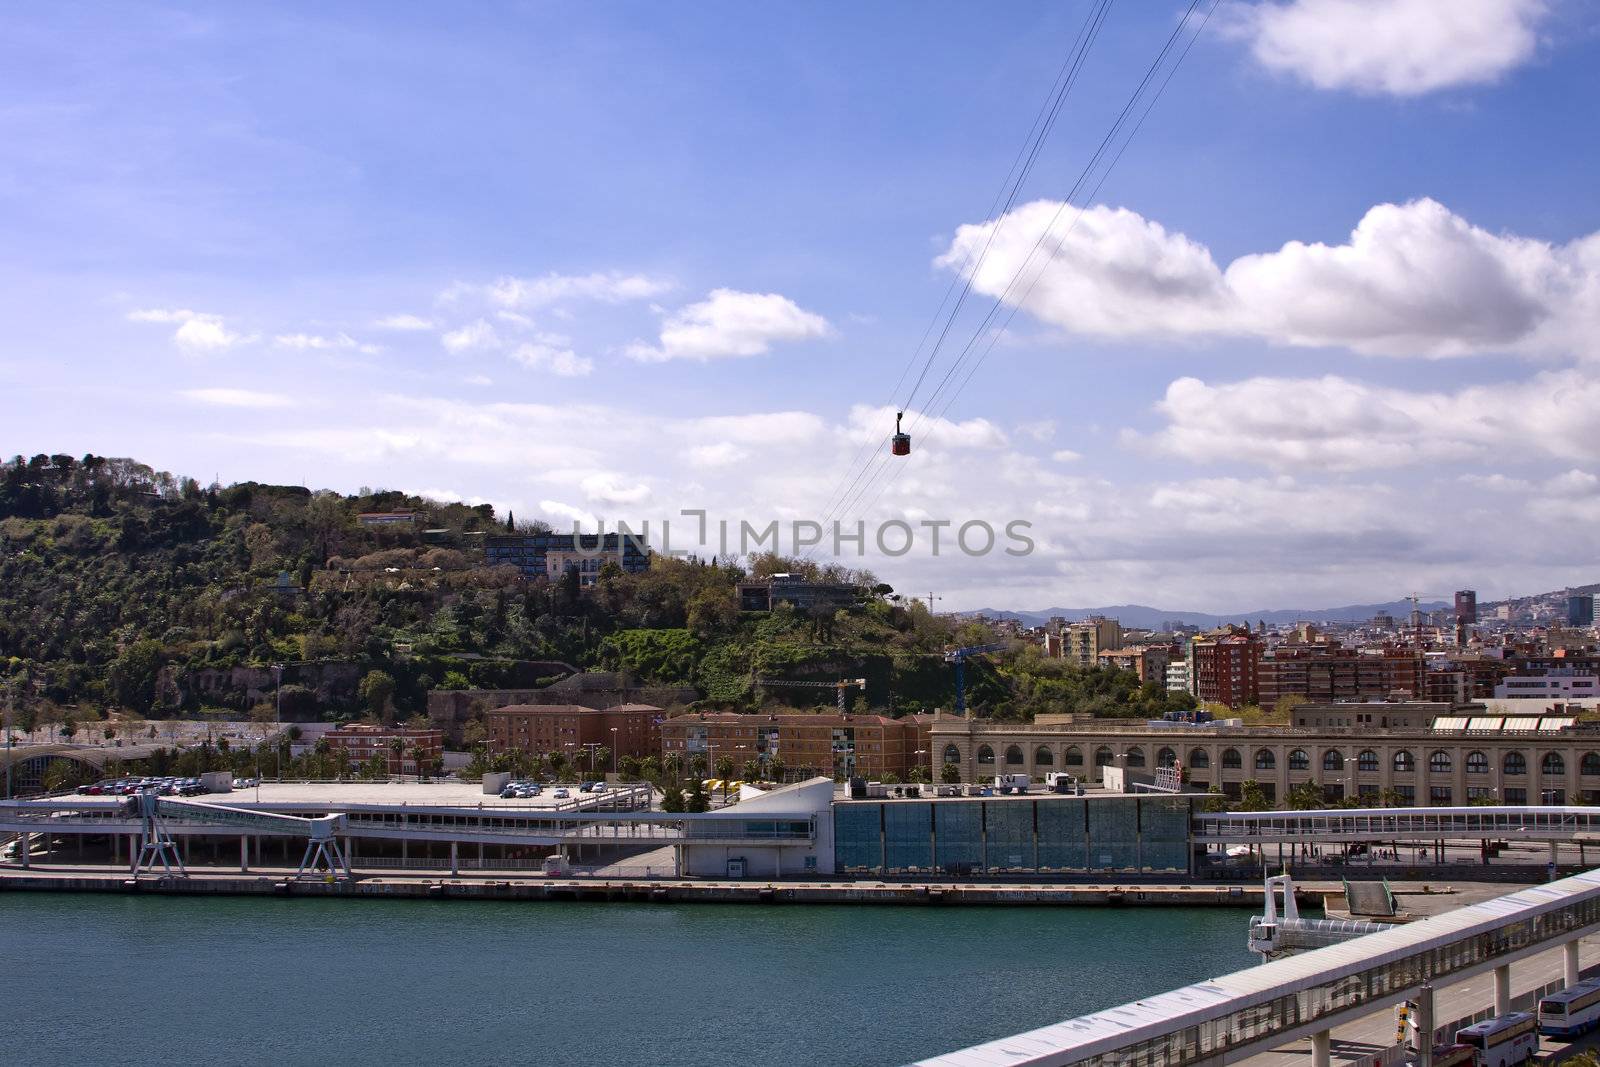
<point x="1572" y="1011"/>
<point x="1504" y="1041"/>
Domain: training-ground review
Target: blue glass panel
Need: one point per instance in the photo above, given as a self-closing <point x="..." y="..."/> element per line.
<point x="857" y="846"/>
<point x="1114" y="834"/>
<point x="1061" y="842"/>
<point x="958" y="831"/>
<point x="908" y="837"/>
<point x="1010" y="831"/>
<point x="1164" y="824"/>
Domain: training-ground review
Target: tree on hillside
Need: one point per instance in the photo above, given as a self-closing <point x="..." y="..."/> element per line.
<point x="131" y="678"/>
<point x="376" y="690"/>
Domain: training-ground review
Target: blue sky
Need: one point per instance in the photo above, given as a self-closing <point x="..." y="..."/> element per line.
<point x="620" y="260"/>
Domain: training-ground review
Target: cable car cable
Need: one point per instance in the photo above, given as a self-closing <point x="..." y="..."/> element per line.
<point x="1138" y="92"/>
<point x="1027" y="155"/>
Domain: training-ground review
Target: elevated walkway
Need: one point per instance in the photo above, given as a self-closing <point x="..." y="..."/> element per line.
<point x="1236" y="1016"/>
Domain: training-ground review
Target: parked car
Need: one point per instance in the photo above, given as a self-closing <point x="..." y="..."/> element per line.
<point x="561" y="794"/>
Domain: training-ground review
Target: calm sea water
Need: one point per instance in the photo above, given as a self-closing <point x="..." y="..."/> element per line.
<point x="138" y="980"/>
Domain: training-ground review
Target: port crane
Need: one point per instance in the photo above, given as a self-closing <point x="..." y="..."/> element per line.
<point x="839" y="687"/>
<point x="959" y="656"/>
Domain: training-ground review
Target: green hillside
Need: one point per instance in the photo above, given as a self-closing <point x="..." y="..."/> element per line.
<point x="125" y="587"/>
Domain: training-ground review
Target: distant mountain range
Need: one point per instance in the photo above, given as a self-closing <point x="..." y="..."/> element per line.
<point x="1148" y="618"/>
<point x="1538" y="605"/>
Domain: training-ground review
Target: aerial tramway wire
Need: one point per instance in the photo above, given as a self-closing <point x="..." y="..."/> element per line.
<point x="1005" y="197"/>
<point x="1088" y="170"/>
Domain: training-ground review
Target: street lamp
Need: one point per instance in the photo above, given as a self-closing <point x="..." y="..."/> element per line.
<point x="277" y="750"/>
<point x="11" y="700"/>
<point x="613" y="750"/>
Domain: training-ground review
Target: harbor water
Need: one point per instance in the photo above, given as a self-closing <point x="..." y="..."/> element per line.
<point x="141" y="980"/>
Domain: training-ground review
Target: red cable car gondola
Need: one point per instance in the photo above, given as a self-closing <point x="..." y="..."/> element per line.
<point x="900" y="443"/>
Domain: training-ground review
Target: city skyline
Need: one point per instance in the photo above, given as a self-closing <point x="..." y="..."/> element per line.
<point x="1327" y="327"/>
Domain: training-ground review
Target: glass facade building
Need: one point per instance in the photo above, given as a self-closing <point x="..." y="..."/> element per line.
<point x="1022" y="836"/>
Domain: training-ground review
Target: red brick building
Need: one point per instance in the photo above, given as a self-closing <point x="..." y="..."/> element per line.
<point x="421" y="751"/>
<point x="1324" y="672"/>
<point x="574" y="731"/>
<point x="1226" y="669"/>
<point x="826" y="744"/>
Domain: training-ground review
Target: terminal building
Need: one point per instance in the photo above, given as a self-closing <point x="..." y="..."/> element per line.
<point x="1043" y="836"/>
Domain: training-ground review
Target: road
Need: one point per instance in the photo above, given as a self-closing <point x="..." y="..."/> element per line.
<point x="1376" y="1032"/>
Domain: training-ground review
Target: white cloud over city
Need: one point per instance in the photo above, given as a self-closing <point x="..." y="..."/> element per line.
<point x="1412" y="279"/>
<point x="730" y="324"/>
<point x="1395" y="47"/>
<point x="1338" y="424"/>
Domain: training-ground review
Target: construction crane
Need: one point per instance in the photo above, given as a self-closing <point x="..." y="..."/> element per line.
<point x="1416" y="612"/>
<point x="839" y="687"/>
<point x="958" y="656"/>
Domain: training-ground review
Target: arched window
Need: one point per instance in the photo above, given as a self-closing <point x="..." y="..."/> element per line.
<point x="1590" y="764"/>
<point x="1477" y="763"/>
<point x="1135" y="757"/>
<point x="1516" y="763"/>
<point x="1552" y="764"/>
<point x="1333" y="760"/>
<point x="952" y="754"/>
<point x="1367" y="761"/>
<point x="1166" y="757"/>
<point x="1103" y="757"/>
<point x="1439" y="762"/>
<point x="1265" y="760"/>
<point x="1043" y="757"/>
<point x="985" y="754"/>
<point x="1299" y="761"/>
<point x="1073" y="757"/>
<point x="1404" y="761"/>
<point x="1199" y="757"/>
<point x="1231" y="760"/>
<point x="1013" y="756"/>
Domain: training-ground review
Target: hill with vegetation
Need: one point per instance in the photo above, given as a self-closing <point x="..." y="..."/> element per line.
<point x="127" y="588"/>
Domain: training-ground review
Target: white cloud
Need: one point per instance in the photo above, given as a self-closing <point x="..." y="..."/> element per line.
<point x="731" y="324"/>
<point x="404" y="322"/>
<point x="236" y="398"/>
<point x="550" y="352"/>
<point x="1219" y="542"/>
<point x="607" y="489"/>
<point x="721" y="454"/>
<point x="775" y="427"/>
<point x="312" y="342"/>
<point x="473" y="336"/>
<point x="878" y="423"/>
<point x="197" y="332"/>
<point x="478" y="379"/>
<point x="1066" y="455"/>
<point x="607" y="287"/>
<point x="1334" y="423"/>
<point x="1399" y="47"/>
<point x="564" y="516"/>
<point x="1413" y="279"/>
